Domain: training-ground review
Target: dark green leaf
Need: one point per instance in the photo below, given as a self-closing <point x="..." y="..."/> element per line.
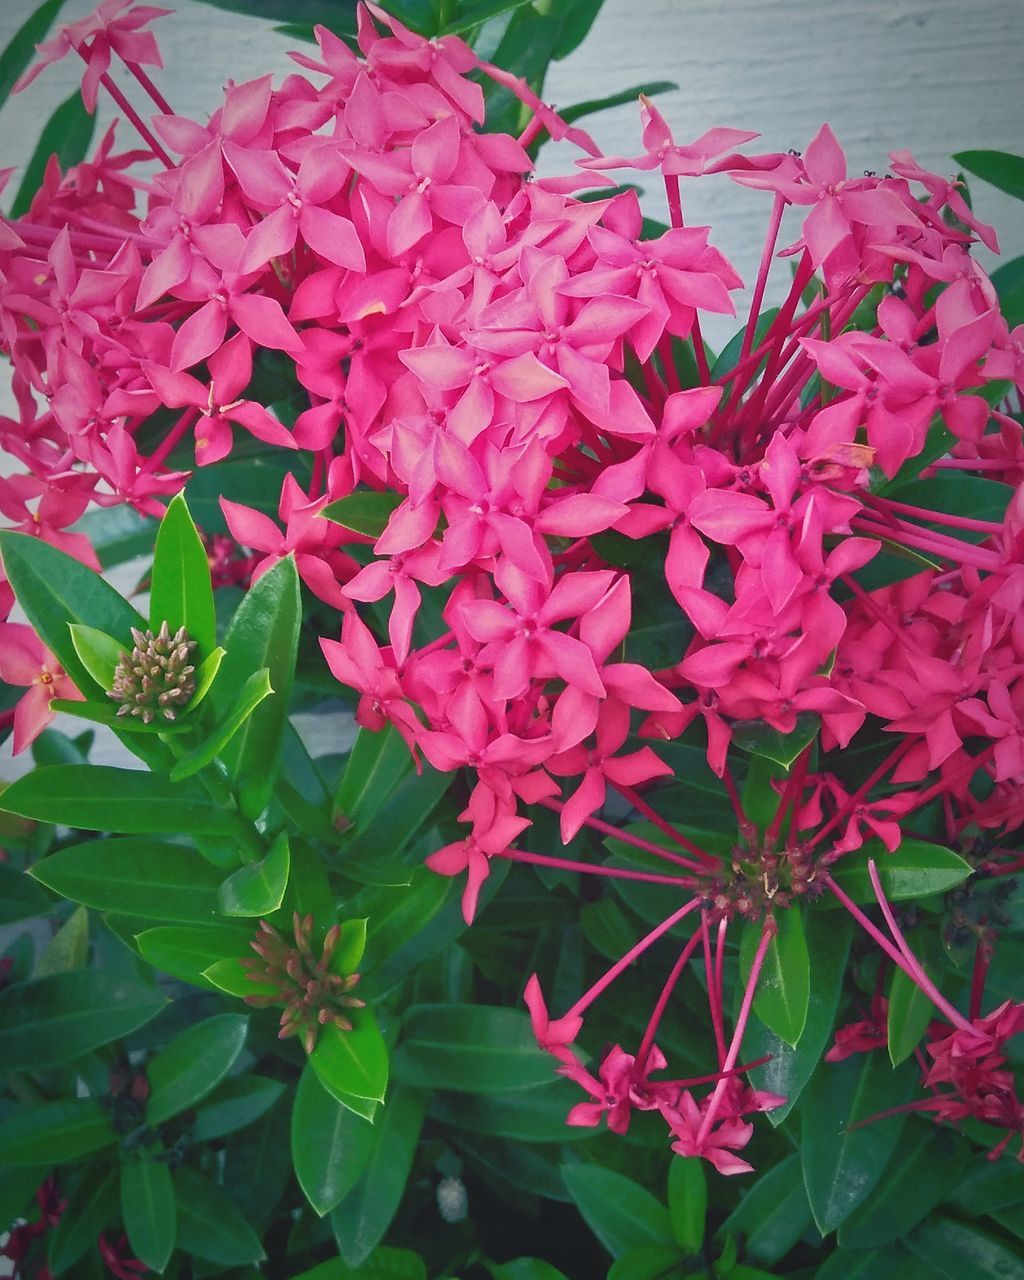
<point x="258" y="888"/>
<point x="21" y="51"/>
<point x="68" y="948"/>
<point x="650" y="89"/>
<point x="331" y="1145"/>
<point x="469" y="1049"/>
<point x="149" y="1210"/>
<point x="91" y="1208"/>
<point x="102" y="798"/>
<point x="365" y="512"/>
<point x="784" y="984"/>
<point x="407" y="809"/>
<point x="209" y="1224"/>
<point x="648" y="1262"/>
<point x="118" y="534"/>
<point x="66" y="135"/>
<point x="263" y="633"/>
<point x="577" y="17"/>
<point x="50" y="1133"/>
<point x="135" y="878"/>
<point x="251" y="694"/>
<point x="916" y="870"/>
<point x="959" y="1251"/>
<point x="375" y="766"/>
<point x="237" y="1103"/>
<point x="954" y="493"/>
<point x="884" y="1264"/>
<point x="773" y="1214"/>
<point x="621" y="1213"/>
<point x="192" y="1064"/>
<point x="57" y="1019"/>
<point x="760" y="739"/>
<point x="352" y="1064"/>
<point x="1000" y="168"/>
<point x="687" y="1202"/>
<point x="20" y="896"/>
<point x="181" y="593"/>
<point x="989" y="1187"/>
<point x="329" y="13"/>
<point x="843" y="1158"/>
<point x="364" y="1215"/>
<point x="910" y="1011"/>
<point x="525" y="1115"/>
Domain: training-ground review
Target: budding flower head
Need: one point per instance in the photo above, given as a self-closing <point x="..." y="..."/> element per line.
<point x="157" y="679"/>
<point x="312" y="994"/>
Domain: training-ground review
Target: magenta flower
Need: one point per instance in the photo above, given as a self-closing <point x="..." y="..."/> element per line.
<point x="24" y="660"/>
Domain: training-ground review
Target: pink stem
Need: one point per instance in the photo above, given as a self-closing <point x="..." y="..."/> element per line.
<point x="587" y="868"/>
<point x="774" y="223"/>
<point x="637" y="841"/>
<point x="143" y="130"/>
<point x="666" y="828"/>
<point x="940" y="517"/>
<point x="670" y="983"/>
<point x="159" y="100"/>
<point x="156" y="459"/>
<point x="714" y="1004"/>
<point x="619" y="966"/>
<point x="982" y="959"/>
<point x="890" y="761"/>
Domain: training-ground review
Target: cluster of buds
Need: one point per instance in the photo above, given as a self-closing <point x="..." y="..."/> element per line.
<point x="157" y="678"/>
<point x="312" y="994"/>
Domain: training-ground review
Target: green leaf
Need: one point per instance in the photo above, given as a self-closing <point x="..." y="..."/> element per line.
<point x="647" y="1262"/>
<point x="66" y="135"/>
<point x="469" y="1049"/>
<point x="258" y="888"/>
<point x="387" y="1264"/>
<point x="90" y="1209"/>
<point x="365" y="512"/>
<point x="118" y="534"/>
<point x="210" y="1226"/>
<point x="57" y="1019"/>
<point x="69" y="947"/>
<point x="184" y="951"/>
<point x="363" y="1216"/>
<point x="687" y="1202"/>
<point x="773" y="1214"/>
<point x="910" y="1011"/>
<point x="54" y="590"/>
<point x="352" y="1064"/>
<point x="331" y="1145"/>
<point x="621" y="1213"/>
<point x="98" y="652"/>
<point x="926" y="1166"/>
<point x="101" y="798"/>
<point x="50" y="1133"/>
<point x="330" y="13"/>
<point x="528" y="1269"/>
<point x="955" y="494"/>
<point x="21" y="50"/>
<point x="408" y="808"/>
<point x="784" y="984"/>
<point x="195" y="1062"/>
<point x="959" y="1251"/>
<point x="251" y="694"/>
<point x="650" y="89"/>
<point x="145" y="878"/>
<point x="263" y="633"/>
<point x="149" y="1210"/>
<point x="885" y="1264"/>
<point x="20" y="896"/>
<point x="789" y="1069"/>
<point x="1000" y="168"/>
<point x="375" y="766"/>
<point x="843" y="1159"/>
<point x="235" y="1104"/>
<point x="106" y="713"/>
<point x="181" y="593"/>
<point x="760" y="739"/>
<point x="523" y="1115"/>
<point x="916" y="870"/>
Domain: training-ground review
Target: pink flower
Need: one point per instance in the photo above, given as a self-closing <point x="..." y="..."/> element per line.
<point x="24" y="660"/>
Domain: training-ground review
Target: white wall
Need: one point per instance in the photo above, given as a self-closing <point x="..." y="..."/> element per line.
<point x="937" y="76"/>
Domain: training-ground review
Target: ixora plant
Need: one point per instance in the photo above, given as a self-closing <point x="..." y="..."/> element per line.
<point x="690" y="691"/>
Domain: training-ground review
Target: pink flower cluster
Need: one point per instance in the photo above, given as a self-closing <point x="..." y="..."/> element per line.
<point x="505" y="358"/>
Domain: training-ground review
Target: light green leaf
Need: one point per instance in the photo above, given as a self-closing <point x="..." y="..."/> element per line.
<point x="352" y="1064"/>
<point x="251" y="694"/>
<point x="916" y="870"/>
<point x="258" y="888"/>
<point x="68" y="948"/>
<point x="98" y="652"/>
<point x="181" y="593"/>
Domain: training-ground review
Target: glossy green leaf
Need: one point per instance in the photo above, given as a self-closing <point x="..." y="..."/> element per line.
<point x="210" y="1225"/>
<point x="232" y="976"/>
<point x="20" y="896"/>
<point x="98" y="652"/>
<point x="365" y="512"/>
<point x="234" y="1104"/>
<point x="54" y="590"/>
<point x="469" y="1049"/>
<point x="760" y="739"/>
<point x="989" y="1187"/>
<point x="523" y="1115"/>
<point x="375" y="766"/>
<point x="363" y="1216"/>
<point x="1000" y="168"/>
<point x="789" y="1069"/>
<point x="961" y="1251"/>
<point x="68" y="948"/>
<point x="925" y="1167"/>
<point x="649" y="89"/>
<point x="21" y="50"/>
<point x="91" y="1207"/>
<point x="910" y="1011"/>
<point x="773" y="1214"/>
<point x="842" y="1158"/>
<point x="916" y="870"/>
<point x="66" y="135"/>
<point x="251" y="694"/>
<point x="408" y="809"/>
<point x="784" y="984"/>
<point x="131" y="877"/>
<point x="149" y="1210"/>
<point x="184" y="951"/>
<point x="181" y="593"/>
<point x="621" y="1213"/>
<point x="647" y="1262"/>
<point x="184" y="1072"/>
<point x="330" y="1144"/>
<point x="50" y="1133"/>
<point x="263" y="633"/>
<point x="472" y="15"/>
<point x="56" y="1019"/>
<point x="352" y="1064"/>
<point x="258" y="888"/>
<point x="102" y="798"/>
<point x="687" y="1202"/>
<point x="106" y="713"/>
<point x="883" y="1264"/>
